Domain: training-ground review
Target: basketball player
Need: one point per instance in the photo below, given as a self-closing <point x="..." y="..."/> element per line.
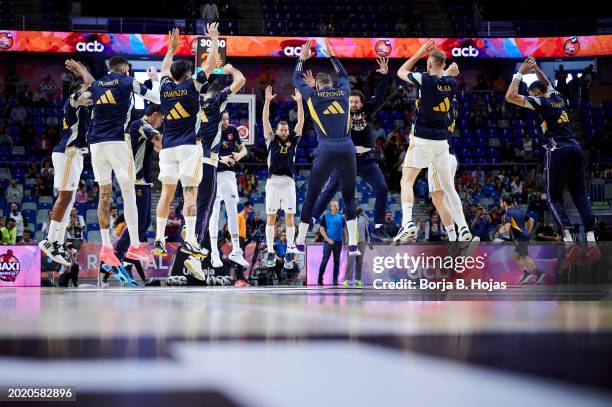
<point x="111" y="151"/>
<point x="180" y="158"/>
<point x="564" y="159"/>
<point x="329" y="108"/>
<point x="519" y="225"/>
<point x="280" y="186"/>
<point x="231" y="150"/>
<point x="144" y="140"/>
<point x="361" y="112"/>
<point x="68" y="162"/>
<point x="212" y="103"/>
<point x="429" y="141"/>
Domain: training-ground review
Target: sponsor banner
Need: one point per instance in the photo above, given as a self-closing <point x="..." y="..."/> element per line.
<point x="487" y="263"/>
<point x="19" y="266"/>
<point x="289" y="47"/>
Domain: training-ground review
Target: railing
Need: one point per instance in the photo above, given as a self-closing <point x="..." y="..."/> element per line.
<point x="467" y="28"/>
<point x="114" y="24"/>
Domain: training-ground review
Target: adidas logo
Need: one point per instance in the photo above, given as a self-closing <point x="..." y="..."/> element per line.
<point x="177" y="112"/>
<point x="334" y="108"/>
<point x="444" y="106"/>
<point x="107" y="98"/>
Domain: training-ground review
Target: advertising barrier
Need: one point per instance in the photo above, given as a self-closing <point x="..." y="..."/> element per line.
<point x="19" y="266"/>
<point x="289" y="47"/>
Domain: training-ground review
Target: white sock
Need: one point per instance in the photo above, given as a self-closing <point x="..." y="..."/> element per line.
<point x="406" y="213"/>
<point x="190" y="222"/>
<point x="270" y="238"/>
<point x="134" y="236"/>
<point x="290" y="231"/>
<point x="160" y="231"/>
<point x="54" y="228"/>
<point x="351" y="225"/>
<point x="302" y="232"/>
<point x="451" y="232"/>
<point x="105" y="233"/>
<point x="567" y="236"/>
<point x="590" y="236"/>
<point x="61" y="234"/>
<point x="235" y="242"/>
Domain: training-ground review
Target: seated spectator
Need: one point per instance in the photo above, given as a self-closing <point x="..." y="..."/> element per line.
<point x="389" y="227"/>
<point x="32" y="171"/>
<point x="20" y="223"/>
<point x="528" y="148"/>
<point x="41" y="188"/>
<point x="27" y="238"/>
<point x="516" y="186"/>
<point x="248" y="181"/>
<point x="434" y="229"/>
<point x="14" y="192"/>
<point x="75" y="228"/>
<point x="81" y="195"/>
<point x="18" y="113"/>
<point x="5" y="139"/>
<point x="94" y="196"/>
<point x="173" y="226"/>
<point x="377" y="131"/>
<point x="538" y="205"/>
<point x="500" y="85"/>
<point x="507" y="153"/>
<point x="480" y="224"/>
<point x="546" y="233"/>
<point x="8" y="233"/>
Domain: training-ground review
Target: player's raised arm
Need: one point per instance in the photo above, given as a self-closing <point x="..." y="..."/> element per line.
<point x="297" y="97"/>
<point x="298" y="75"/>
<point x="265" y="116"/>
<point x="541" y="75"/>
<point x="173" y="43"/>
<point x="211" y="60"/>
<point x="512" y="95"/>
<point x="382" y="87"/>
<point x="405" y="69"/>
<point x="343" y="79"/>
<point x="238" y="79"/>
<point x="79" y="69"/>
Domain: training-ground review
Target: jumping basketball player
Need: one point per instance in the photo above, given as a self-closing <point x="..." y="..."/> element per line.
<point x="564" y="159"/>
<point x="429" y="141"/>
<point x="231" y="151"/>
<point x="68" y="162"/>
<point x="280" y="186"/>
<point x="329" y="108"/>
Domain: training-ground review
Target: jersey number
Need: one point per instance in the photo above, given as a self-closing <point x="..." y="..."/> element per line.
<point x="564" y="118"/>
<point x="284" y="150"/>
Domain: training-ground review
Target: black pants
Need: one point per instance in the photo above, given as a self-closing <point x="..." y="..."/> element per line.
<point x="565" y="167"/>
<point x="207" y="191"/>
<point x="330" y="157"/>
<point x="72" y="274"/>
<point x="328" y="249"/>
<point x="372" y="174"/>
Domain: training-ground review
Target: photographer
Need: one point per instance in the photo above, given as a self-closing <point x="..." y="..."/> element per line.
<point x="70" y="273"/>
<point x="75" y="228"/>
<point x="480" y="224"/>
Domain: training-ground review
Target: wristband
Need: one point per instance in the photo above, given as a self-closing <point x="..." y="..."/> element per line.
<point x="518" y="76"/>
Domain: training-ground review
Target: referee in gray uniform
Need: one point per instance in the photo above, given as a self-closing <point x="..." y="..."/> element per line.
<point x="363" y="237"/>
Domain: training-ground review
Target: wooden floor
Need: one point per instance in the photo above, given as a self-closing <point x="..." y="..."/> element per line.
<point x="302" y="347"/>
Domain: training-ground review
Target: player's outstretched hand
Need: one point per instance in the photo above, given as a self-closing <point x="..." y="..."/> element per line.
<point x="309" y="78"/>
<point x="173" y="39"/>
<point x="269" y="94"/>
<point x="527" y="66"/>
<point x="72" y="65"/>
<point x="228" y="69"/>
<point x="453" y="69"/>
<point x="212" y="31"/>
<point x="383" y="65"/>
<point x="329" y="50"/>
<point x="306" y="52"/>
<point x="428" y="46"/>
<point x="297" y="96"/>
<point x="152" y="73"/>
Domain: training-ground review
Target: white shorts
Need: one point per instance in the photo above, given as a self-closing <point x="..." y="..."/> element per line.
<point x="227" y="187"/>
<point x="432" y="174"/>
<point x="280" y="194"/>
<point x="182" y="163"/>
<point x="424" y="152"/>
<point x="67" y="169"/>
<point x="112" y="156"/>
